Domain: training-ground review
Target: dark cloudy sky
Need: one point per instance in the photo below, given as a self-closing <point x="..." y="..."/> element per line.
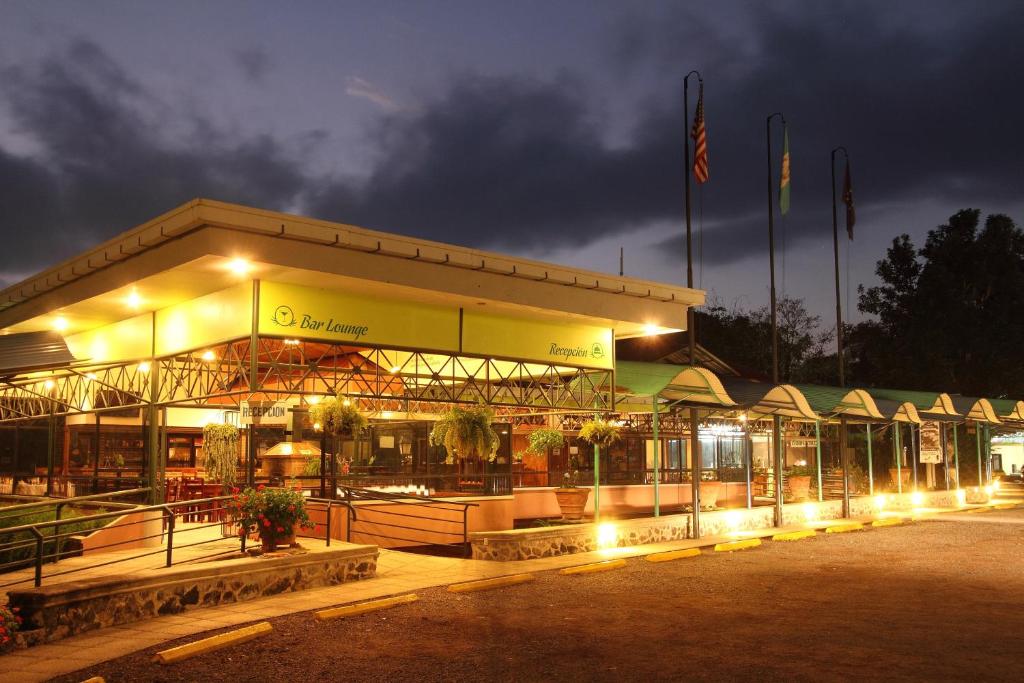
<point x="545" y="128"/>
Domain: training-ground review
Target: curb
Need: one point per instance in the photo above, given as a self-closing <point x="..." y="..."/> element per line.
<point x="794" y="535"/>
<point x="673" y="555"/>
<point x="364" y="607"/>
<point x="499" y="582"/>
<point x="737" y="545"/>
<point x="844" y="528"/>
<point x="894" y="521"/>
<point x="593" y="568"/>
<point x="176" y="654"/>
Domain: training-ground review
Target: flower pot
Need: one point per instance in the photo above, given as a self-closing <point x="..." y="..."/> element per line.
<point x="903" y="474"/>
<point x="799" y="486"/>
<point x="572" y="502"/>
<point x="272" y="542"/>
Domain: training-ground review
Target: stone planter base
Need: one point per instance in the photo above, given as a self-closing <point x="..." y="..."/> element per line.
<point x="70" y="608"/>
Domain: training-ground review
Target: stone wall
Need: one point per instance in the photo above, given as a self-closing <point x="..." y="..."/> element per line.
<point x="529" y="544"/>
<point x="69" y="608"/>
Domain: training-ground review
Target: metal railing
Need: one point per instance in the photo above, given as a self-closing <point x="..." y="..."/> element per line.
<point x="45" y="543"/>
<point x="400" y="526"/>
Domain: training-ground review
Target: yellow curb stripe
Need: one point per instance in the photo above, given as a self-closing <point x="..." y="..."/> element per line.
<point x="892" y="521"/>
<point x="364" y="607"/>
<point x="1006" y="506"/>
<point x="673" y="555"/>
<point x="737" y="545"/>
<point x="498" y="582"/>
<point x="176" y="654"/>
<point x="843" y="528"/>
<point x="94" y="679"/>
<point x="794" y="535"/>
<point x="595" y="567"/>
<point x="973" y="510"/>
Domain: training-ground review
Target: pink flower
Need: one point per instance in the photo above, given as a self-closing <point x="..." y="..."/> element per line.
<point x="266" y="523"/>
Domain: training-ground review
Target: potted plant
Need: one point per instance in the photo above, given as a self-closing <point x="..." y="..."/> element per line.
<point x="600" y="432"/>
<point x="799" y="480"/>
<point x="220" y="453"/>
<point x="572" y="500"/>
<point x="337" y="418"/>
<point x="272" y="512"/>
<point x="543" y="439"/>
<point x="466" y="433"/>
<point x="10" y="623"/>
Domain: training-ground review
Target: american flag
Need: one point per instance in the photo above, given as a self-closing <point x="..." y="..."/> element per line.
<point x="700" y="141"/>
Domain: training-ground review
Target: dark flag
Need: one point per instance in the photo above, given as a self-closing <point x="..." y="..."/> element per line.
<point x="700" y="141"/>
<point x="851" y="214"/>
<point x="784" y="174"/>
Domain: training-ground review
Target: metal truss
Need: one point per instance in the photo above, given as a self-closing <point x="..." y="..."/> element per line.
<point x="74" y="390"/>
<point x="292" y="367"/>
<point x="381" y="379"/>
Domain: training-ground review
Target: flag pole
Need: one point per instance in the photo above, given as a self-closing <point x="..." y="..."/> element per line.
<point x="776" y="430"/>
<point x="695" y="455"/>
<point x="844" y="455"/>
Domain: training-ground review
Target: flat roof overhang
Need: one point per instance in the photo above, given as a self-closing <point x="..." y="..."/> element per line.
<point x="188" y="251"/>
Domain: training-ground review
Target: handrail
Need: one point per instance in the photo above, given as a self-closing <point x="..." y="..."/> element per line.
<point x="75" y="499"/>
<point x="105" y="515"/>
<point x="407" y="498"/>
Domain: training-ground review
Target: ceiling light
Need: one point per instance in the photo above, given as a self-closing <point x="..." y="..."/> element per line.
<point x="144" y="366"/>
<point x="312" y="400"/>
<point x="49" y="384"/>
<point x="60" y="324"/>
<point x="239" y="266"/>
<point x="208" y="356"/>
<point x="395" y="369"/>
<point x="134" y="300"/>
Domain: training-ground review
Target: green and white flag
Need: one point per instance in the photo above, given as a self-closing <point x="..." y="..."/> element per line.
<point x="784" y="177"/>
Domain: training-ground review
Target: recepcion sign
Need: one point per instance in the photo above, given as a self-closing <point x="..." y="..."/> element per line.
<point x="263" y="412"/>
<point x="548" y="342"/>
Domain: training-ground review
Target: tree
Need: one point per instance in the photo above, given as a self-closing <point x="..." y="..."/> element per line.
<point x="743" y="338"/>
<point x="947" y="316"/>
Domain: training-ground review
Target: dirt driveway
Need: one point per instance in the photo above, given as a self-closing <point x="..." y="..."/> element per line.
<point x="937" y="600"/>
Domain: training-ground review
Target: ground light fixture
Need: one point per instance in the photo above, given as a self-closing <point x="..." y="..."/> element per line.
<point x="989" y="490"/>
<point x="607" y="535"/>
<point x="916" y="498"/>
<point x="995" y="484"/>
<point x="880" y="501"/>
<point x="961" y="497"/>
<point x="733" y="518"/>
<point x="810" y="512"/>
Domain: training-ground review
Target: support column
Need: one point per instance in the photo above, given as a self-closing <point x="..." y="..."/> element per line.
<point x="51" y="449"/>
<point x="945" y="452"/>
<point x="844" y="458"/>
<point x="988" y="454"/>
<point x="748" y="460"/>
<point x="977" y="441"/>
<point x="153" y="446"/>
<point x="956" y="454"/>
<point x="597" y="483"/>
<point x="254" y="382"/>
<point x="657" y="455"/>
<point x="695" y="469"/>
<point x="778" y="453"/>
<point x="915" y="451"/>
<point x="899" y="456"/>
<point x="817" y="442"/>
<point x="871" y="467"/>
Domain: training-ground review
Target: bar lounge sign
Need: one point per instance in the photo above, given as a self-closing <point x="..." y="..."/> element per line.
<point x="263" y="412"/>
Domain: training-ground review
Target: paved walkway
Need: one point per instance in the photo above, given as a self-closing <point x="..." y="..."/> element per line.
<point x="397" y="573"/>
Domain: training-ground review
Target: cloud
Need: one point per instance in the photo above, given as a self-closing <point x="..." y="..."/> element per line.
<point x="103" y="165"/>
<point x="358" y="87"/>
<point x="254" y="62"/>
<point x="518" y="162"/>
